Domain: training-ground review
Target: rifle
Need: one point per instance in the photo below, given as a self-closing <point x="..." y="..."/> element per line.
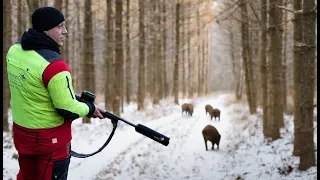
<point x="87" y="96"/>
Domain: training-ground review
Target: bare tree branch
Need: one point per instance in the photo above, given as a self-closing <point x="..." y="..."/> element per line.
<point x="290" y="10"/>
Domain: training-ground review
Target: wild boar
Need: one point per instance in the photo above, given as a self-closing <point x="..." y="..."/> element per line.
<point x="209" y="109"/>
<point x="211" y="134"/>
<point x="188" y="108"/>
<point x="215" y="113"/>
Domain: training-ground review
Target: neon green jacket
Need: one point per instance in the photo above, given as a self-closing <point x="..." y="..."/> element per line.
<point x="41" y="89"/>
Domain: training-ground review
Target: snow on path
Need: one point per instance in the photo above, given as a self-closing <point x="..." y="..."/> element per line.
<point x="123" y="138"/>
<point x="184" y="158"/>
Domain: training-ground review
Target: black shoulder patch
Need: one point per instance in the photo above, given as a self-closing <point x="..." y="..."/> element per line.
<point x="49" y="55"/>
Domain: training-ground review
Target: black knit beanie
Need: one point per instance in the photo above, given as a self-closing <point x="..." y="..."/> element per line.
<point x="46" y="18"/>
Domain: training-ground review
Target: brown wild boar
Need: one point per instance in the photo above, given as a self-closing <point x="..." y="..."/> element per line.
<point x="211" y="134"/>
<point x="215" y="113"/>
<point x="188" y="108"/>
<point x="209" y="110"/>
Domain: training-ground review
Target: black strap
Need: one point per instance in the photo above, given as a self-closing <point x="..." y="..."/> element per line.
<point x="79" y="155"/>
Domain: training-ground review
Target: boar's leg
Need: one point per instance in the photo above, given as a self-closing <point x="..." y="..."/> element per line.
<point x="205" y="143"/>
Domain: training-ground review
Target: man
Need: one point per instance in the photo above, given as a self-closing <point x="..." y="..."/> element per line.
<point x="42" y="98"/>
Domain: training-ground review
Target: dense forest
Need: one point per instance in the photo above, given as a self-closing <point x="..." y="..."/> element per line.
<point x="136" y="50"/>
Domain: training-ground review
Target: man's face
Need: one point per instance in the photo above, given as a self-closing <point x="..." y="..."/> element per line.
<point x="57" y="33"/>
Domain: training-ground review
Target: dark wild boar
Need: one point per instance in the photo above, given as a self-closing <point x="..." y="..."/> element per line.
<point x="188" y="108"/>
<point x="209" y="109"/>
<point x="211" y="134"/>
<point x="215" y="113"/>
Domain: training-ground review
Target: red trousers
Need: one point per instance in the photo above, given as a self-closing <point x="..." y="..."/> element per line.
<point x="54" y="165"/>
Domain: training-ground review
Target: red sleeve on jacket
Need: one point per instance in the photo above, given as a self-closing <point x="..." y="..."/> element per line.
<point x="52" y="69"/>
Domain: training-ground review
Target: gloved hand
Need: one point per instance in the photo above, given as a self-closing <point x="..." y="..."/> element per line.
<point x="97" y="113"/>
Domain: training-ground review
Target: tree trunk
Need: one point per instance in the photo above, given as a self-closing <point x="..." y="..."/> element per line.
<point x="128" y="56"/>
<point x="203" y="63"/>
<point x="276" y="117"/>
<point x="239" y="87"/>
<point x="247" y="64"/>
<point x="263" y="67"/>
<point x="176" y="63"/>
<point x="297" y="64"/>
<point x="253" y="87"/>
<point x="235" y="74"/>
<point x="74" y="59"/>
<point x="151" y="64"/>
<point x="183" y="64"/>
<point x="190" y="68"/>
<point x="141" y="73"/>
<point x="284" y="61"/>
<point x="58" y="4"/>
<point x="149" y="37"/>
<point x="78" y="66"/>
<point x="304" y="131"/>
<point x="118" y="71"/>
<point x="164" y="54"/>
<point x="7" y="34"/>
<point x="207" y="62"/>
<point x="199" y="50"/>
<point x="160" y="50"/>
<point x="66" y="41"/>
<point x="21" y="19"/>
<point x="108" y="52"/>
<point x="88" y="60"/>
<point x="32" y="5"/>
<point x="157" y="54"/>
<point x="253" y="49"/>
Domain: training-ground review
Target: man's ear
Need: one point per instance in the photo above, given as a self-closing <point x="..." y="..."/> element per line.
<point x="45" y="32"/>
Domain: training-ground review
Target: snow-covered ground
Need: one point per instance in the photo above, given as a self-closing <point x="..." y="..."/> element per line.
<point x="243" y="153"/>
